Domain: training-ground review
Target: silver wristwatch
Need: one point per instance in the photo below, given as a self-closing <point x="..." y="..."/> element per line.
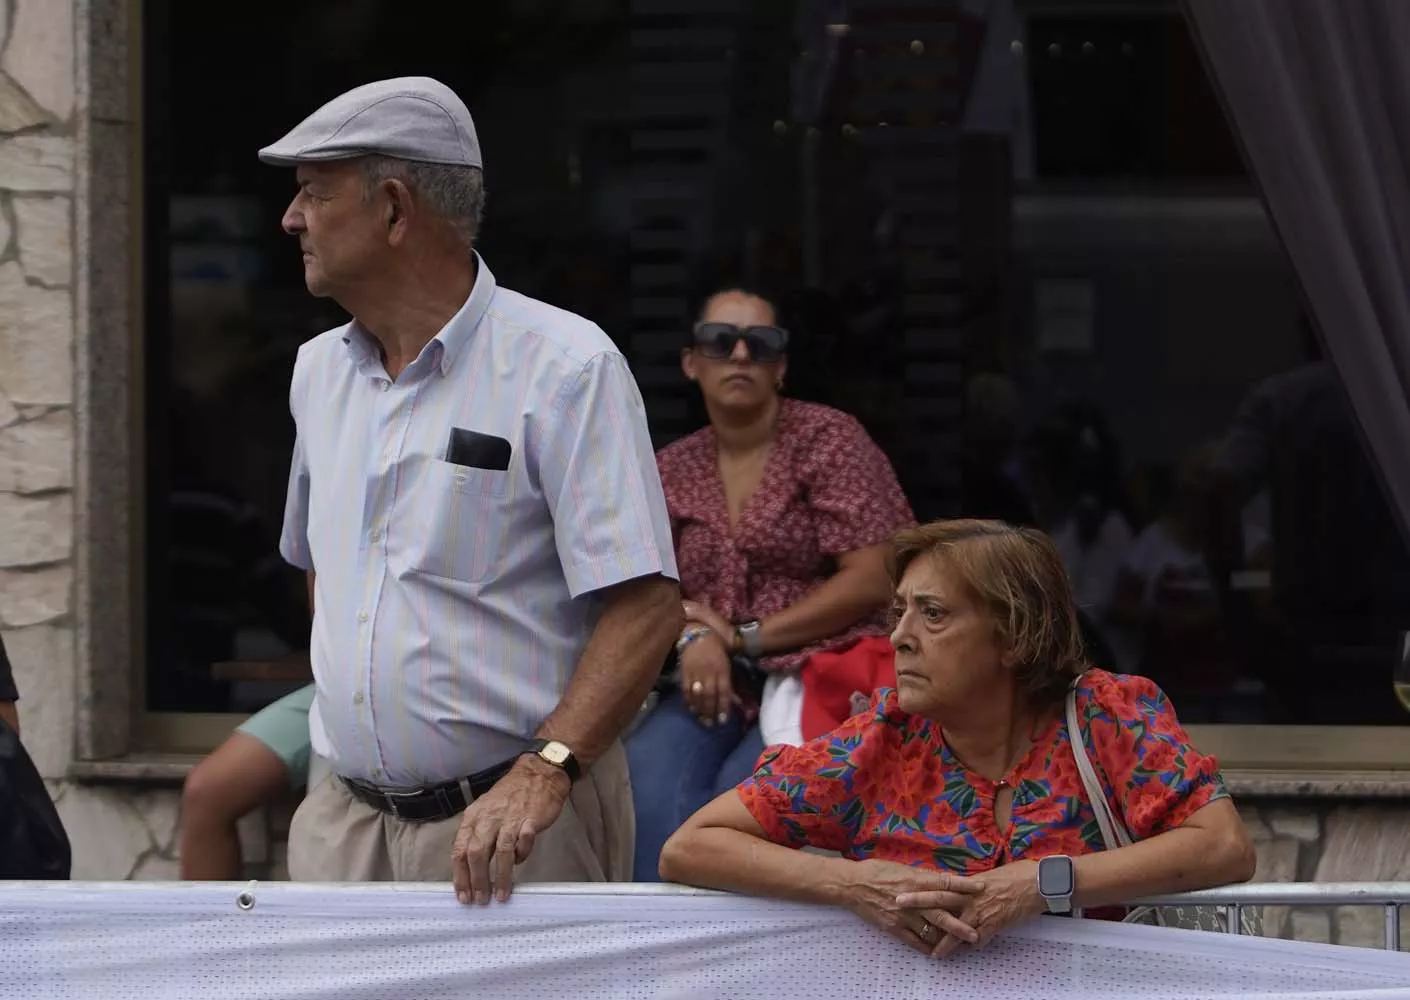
<point x="1057" y="879"/>
<point x="750" y="641"/>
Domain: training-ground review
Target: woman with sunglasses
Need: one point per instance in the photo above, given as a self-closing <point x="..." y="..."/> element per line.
<point x="781" y="511"/>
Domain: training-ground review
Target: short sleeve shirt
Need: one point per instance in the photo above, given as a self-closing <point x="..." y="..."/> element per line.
<point x="462" y="520"/>
<point x="885" y="785"/>
<point x="827" y="489"/>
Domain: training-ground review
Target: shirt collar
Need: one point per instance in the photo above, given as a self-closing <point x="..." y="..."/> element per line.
<point x="453" y="336"/>
<point x="462" y="326"/>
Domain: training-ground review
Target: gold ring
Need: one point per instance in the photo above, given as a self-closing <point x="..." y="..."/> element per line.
<point x="925" y="929"/>
<point x="697" y="687"/>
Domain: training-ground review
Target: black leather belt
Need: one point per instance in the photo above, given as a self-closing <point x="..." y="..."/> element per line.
<point x="423" y="805"/>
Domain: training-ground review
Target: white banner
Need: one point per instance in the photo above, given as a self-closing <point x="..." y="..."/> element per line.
<point x="148" y="941"/>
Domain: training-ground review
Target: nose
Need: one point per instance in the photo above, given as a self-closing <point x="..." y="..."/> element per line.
<point x="740" y="352"/>
<point x="293" y="221"/>
<point x="901" y="634"/>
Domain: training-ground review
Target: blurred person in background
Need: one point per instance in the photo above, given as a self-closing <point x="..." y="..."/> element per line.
<point x="780" y="511"/>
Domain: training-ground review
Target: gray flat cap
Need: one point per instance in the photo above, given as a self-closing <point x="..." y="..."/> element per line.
<point x="409" y="118"/>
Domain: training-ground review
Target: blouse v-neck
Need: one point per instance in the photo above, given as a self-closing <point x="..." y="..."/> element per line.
<point x="731" y="531"/>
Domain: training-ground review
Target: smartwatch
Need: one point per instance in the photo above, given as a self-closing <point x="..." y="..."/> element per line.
<point x="1057" y="878"/>
<point x="751" y="643"/>
<point x="557" y="754"/>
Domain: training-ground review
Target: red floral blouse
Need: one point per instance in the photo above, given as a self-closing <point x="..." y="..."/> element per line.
<point x="884" y="784"/>
<point x="827" y="489"/>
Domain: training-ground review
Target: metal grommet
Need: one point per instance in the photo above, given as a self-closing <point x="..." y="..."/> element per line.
<point x="245" y="902"/>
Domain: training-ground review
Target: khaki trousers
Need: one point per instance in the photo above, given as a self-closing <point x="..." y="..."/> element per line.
<point x="336" y="838"/>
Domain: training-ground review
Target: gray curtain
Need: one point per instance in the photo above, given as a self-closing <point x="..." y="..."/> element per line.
<point x="1318" y="94"/>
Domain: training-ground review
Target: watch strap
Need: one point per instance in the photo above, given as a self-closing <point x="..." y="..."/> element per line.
<point x="569" y="765"/>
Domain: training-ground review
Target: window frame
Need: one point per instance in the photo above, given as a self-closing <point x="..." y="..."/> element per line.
<point x="111" y="607"/>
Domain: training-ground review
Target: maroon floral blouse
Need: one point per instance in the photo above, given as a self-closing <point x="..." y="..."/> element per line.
<point x="826" y="490"/>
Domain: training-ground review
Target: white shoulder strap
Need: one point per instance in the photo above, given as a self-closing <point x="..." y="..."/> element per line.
<point x="1114" y="832"/>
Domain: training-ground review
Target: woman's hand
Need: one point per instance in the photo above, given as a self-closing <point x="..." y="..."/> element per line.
<point x="705" y="679"/>
<point x="993" y="900"/>
<point x="697" y="613"/>
<point x="874" y="891"/>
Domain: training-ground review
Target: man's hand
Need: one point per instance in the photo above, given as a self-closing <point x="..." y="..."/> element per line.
<point x="497" y="831"/>
<point x="995" y="899"/>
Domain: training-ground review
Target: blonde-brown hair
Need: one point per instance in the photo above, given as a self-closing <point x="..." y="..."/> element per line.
<point x="1017" y="576"/>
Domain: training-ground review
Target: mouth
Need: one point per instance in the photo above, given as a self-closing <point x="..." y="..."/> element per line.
<point x="739" y="378"/>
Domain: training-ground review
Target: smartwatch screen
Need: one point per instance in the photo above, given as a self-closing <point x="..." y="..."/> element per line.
<point x="1055" y="877"/>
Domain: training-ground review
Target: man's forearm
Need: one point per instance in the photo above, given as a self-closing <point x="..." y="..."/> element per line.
<point x="623" y="659"/>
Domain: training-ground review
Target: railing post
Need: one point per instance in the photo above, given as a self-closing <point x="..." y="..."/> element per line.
<point x="1233" y="917"/>
<point x="1392" y="927"/>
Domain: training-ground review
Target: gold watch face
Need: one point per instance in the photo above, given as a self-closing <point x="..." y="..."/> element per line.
<point x="555" y="753"/>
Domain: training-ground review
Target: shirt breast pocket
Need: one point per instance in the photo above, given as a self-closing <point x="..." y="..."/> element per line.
<point x="455" y="524"/>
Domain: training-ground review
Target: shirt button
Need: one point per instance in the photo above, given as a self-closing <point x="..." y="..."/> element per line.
<point x="362" y="616"/>
<point x="386" y="386"/>
<point x="376" y="535"/>
<point x="357" y="698"/>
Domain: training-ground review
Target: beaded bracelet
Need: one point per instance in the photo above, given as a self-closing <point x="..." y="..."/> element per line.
<point x="690" y="635"/>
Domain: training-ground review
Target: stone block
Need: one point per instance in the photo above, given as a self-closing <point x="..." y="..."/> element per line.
<point x="44" y="229"/>
<point x="39" y="53"/>
<point x="1368" y="843"/>
<point x="155" y="868"/>
<point x="1359" y="926"/>
<point x="108" y="838"/>
<point x="1312" y="925"/>
<point x="43" y="662"/>
<point x="278" y="862"/>
<point x="37" y="163"/>
<point x="8" y="413"/>
<point x="36" y="339"/>
<point x="37" y="455"/>
<point x="1258" y="829"/>
<point x="18" y="111"/>
<point x="35" y="597"/>
<point x="1299" y="824"/>
<point x="160" y="811"/>
<point x="107" y="91"/>
<point x="35" y="530"/>
<point x="254" y="837"/>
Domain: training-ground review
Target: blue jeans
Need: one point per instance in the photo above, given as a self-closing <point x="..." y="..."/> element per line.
<point x="677" y="766"/>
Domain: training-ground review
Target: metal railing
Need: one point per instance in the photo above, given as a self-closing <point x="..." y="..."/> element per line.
<point x="1391" y="896"/>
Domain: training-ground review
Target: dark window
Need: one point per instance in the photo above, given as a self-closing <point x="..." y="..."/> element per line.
<point x="1037" y="273"/>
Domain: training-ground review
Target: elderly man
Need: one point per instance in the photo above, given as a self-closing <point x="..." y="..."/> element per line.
<point x="475" y="499"/>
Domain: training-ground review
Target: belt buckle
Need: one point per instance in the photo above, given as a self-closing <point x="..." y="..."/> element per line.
<point x="392" y="798"/>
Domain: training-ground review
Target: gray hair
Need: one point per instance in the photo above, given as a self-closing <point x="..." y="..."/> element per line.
<point x="456" y="194"/>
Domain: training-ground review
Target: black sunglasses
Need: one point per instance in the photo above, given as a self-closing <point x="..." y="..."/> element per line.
<point x="765" y="344"/>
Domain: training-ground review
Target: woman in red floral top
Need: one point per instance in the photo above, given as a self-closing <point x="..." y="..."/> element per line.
<point x="943" y="798"/>
<point x="782" y="512"/>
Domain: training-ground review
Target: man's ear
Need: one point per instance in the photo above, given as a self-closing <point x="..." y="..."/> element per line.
<point x="397" y="209"/>
<point x="688" y="364"/>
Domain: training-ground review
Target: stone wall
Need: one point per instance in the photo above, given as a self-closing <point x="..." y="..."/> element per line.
<point x="52" y="134"/>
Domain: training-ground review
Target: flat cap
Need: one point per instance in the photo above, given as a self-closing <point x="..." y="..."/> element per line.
<point x="409" y="118"/>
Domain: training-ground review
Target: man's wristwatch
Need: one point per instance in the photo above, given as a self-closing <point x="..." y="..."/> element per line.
<point x="1057" y="879"/>
<point x="557" y="754"/>
<point x="749" y="639"/>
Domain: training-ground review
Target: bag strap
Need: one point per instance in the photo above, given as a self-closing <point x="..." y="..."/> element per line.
<point x="1114" y="832"/>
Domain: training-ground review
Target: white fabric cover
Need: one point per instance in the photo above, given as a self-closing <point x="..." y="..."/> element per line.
<point x="149" y="941"/>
